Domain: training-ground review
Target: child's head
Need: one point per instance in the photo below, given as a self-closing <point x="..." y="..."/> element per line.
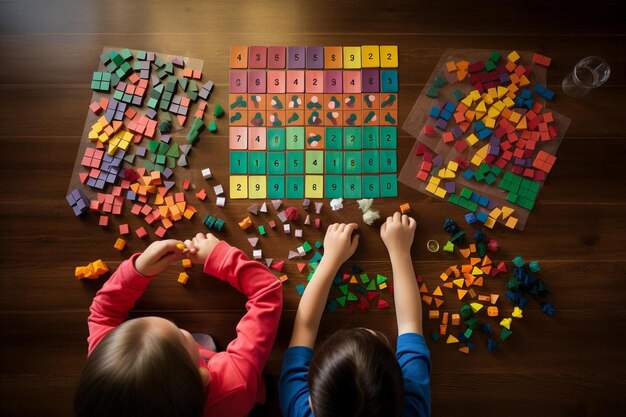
<point x="145" y="367"/>
<point x="355" y="373"/>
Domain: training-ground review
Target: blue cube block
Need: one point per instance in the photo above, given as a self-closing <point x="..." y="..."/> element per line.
<point x="478" y="126"/>
<point x="470" y="218"/>
<point x="468" y="174"/>
<point x="451" y="107"/>
<point x="481" y="216"/>
<point x="525" y="93"/>
<point x="434" y="112"/>
<point x="446" y="115"/>
<point x="483" y="201"/>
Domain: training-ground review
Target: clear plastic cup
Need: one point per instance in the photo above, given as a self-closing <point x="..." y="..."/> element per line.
<point x="589" y="73"/>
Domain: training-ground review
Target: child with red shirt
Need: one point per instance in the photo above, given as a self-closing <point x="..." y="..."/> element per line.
<point x="149" y="367"/>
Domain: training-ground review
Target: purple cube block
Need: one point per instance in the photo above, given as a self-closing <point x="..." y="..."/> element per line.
<point x="370" y="81"/>
<point x="296" y="57"/>
<point x="315" y="57"/>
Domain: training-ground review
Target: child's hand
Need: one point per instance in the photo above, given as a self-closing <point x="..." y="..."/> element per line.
<point x="339" y="244"/>
<point x="158" y="256"/>
<point x="398" y="232"/>
<point x="201" y="246"/>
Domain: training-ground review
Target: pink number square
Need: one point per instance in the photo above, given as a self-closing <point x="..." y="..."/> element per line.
<point x="295" y="81"/>
<point x="257" y="57"/>
<point x="276" y="57"/>
<point x="257" y="138"/>
<point x="276" y="82"/>
<point x="238" y="81"/>
<point x="314" y="81"/>
<point x="238" y="137"/>
<point x="352" y="81"/>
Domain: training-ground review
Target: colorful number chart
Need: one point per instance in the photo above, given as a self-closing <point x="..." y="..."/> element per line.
<point x="313" y="121"/>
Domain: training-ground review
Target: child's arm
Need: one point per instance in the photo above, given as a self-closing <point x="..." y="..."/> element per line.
<point x="111" y="305"/>
<point x="257" y="329"/>
<point x="339" y="245"/>
<point x="397" y="233"/>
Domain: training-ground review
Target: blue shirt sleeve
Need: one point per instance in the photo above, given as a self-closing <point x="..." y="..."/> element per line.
<point x="293" y="390"/>
<point x="414" y="359"/>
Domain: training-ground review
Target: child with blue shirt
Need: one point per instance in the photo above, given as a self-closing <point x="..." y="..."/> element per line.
<point x="355" y="372"/>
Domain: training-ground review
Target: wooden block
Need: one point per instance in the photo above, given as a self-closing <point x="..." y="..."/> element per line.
<point x="352" y="57"/>
<point x="389" y="56"/>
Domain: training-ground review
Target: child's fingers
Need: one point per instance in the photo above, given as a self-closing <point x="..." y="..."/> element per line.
<point x="405" y="220"/>
<point x="354" y="243"/>
<point x="412" y="223"/>
<point x="190" y="246"/>
<point x="397" y="217"/>
<point x="201" y="236"/>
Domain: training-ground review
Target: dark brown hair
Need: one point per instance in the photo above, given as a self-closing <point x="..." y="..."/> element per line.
<point x="356" y="374"/>
<point x="136" y="372"/>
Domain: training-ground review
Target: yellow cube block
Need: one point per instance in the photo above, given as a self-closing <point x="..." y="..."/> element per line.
<point x="389" y="56"/>
<point x="183" y="278"/>
<point x="370" y="55"/>
<point x="352" y="57"/>
<point x="513" y="56"/>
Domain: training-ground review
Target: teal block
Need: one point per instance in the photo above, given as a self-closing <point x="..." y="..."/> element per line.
<point x="370" y="162"/>
<point x="238" y="162"/>
<point x="295" y="187"/>
<point x="352" y="138"/>
<point x="388" y="137"/>
<point x="334" y="162"/>
<point x="371" y="186"/>
<point x="294" y="138"/>
<point x="333" y="186"/>
<point x="389" y="185"/>
<point x="314" y="162"/>
<point x="352" y="162"/>
<point x="389" y="81"/>
<point x="256" y="163"/>
<point x="334" y="138"/>
<point x="352" y="186"/>
<point x="388" y="161"/>
<point x="295" y="162"/>
<point x="370" y="137"/>
<point x="275" y="139"/>
<point x="275" y="186"/>
<point x="276" y="163"/>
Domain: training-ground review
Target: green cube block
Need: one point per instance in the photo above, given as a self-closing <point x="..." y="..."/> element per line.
<point x="275" y="139"/>
<point x="352" y="162"/>
<point x="371" y="186"/>
<point x="389" y="185"/>
<point x="334" y="162"/>
<point x="275" y="186"/>
<point x="314" y="162"/>
<point x="334" y="138"/>
<point x="261" y="230"/>
<point x="295" y="138"/>
<point x="295" y="162"/>
<point x="333" y="187"/>
<point x="238" y="163"/>
<point x="371" y="162"/>
<point x="352" y="186"/>
<point x="276" y="163"/>
<point x="512" y="197"/>
<point x="352" y="138"/>
<point x="295" y="187"/>
<point x="388" y="137"/>
<point x="256" y="163"/>
<point x="388" y="161"/>
<point x="370" y="137"/>
<point x="494" y="57"/>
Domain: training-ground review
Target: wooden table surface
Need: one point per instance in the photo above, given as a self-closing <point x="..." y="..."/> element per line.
<point x="569" y="365"/>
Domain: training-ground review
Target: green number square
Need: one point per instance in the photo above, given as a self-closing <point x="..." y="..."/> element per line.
<point x="371" y="186"/>
<point x="388" y="137"/>
<point x="295" y="137"/>
<point x="275" y="186"/>
<point x="389" y="185"/>
<point x="314" y="162"/>
<point x="388" y="161"/>
<point x="275" y="139"/>
<point x="352" y="162"/>
<point x="333" y="186"/>
<point x="295" y="162"/>
<point x="370" y="137"/>
<point x="352" y="138"/>
<point x="352" y="186"/>
<point x="334" y="138"/>
<point x="256" y="162"/>
<point x="334" y="162"/>
<point x="238" y="163"/>
<point x="276" y="163"/>
<point x="295" y="187"/>
<point x="370" y="162"/>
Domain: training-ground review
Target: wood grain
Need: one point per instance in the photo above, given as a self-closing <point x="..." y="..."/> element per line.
<point x="569" y="365"/>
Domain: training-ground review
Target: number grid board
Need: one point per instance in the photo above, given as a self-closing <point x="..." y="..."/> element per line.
<point x="313" y="121"/>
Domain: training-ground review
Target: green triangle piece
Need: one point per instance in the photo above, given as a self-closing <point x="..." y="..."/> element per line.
<point x="171" y="162"/>
<point x="173" y="151"/>
<point x="129" y="158"/>
<point x="153" y="145"/>
<point x="371" y="286"/>
<point x="163" y="148"/>
<point x="341" y="301"/>
<point x="352" y="297"/>
<point x="343" y="289"/>
<point x="380" y="279"/>
<point x="148" y="165"/>
<point x="310" y="276"/>
<point x="314" y="265"/>
<point x="213" y="127"/>
<point x="505" y="333"/>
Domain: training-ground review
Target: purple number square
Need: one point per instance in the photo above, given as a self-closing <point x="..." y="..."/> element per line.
<point x="370" y="80"/>
<point x="296" y="57"/>
<point x="238" y="81"/>
<point x="256" y="82"/>
<point x="276" y="57"/>
<point x="315" y="57"/>
<point x="333" y="82"/>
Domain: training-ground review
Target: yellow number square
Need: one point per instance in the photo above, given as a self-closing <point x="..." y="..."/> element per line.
<point x="238" y="186"/>
<point x="314" y="186"/>
<point x="370" y="56"/>
<point x="389" y="56"/>
<point x="352" y="57"/>
<point x="257" y="185"/>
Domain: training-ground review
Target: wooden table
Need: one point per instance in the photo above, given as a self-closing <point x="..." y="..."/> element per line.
<point x="572" y="364"/>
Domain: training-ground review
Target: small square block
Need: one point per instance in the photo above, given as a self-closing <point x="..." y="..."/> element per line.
<point x="295" y="187"/>
<point x="238" y="186"/>
<point x="314" y="186"/>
